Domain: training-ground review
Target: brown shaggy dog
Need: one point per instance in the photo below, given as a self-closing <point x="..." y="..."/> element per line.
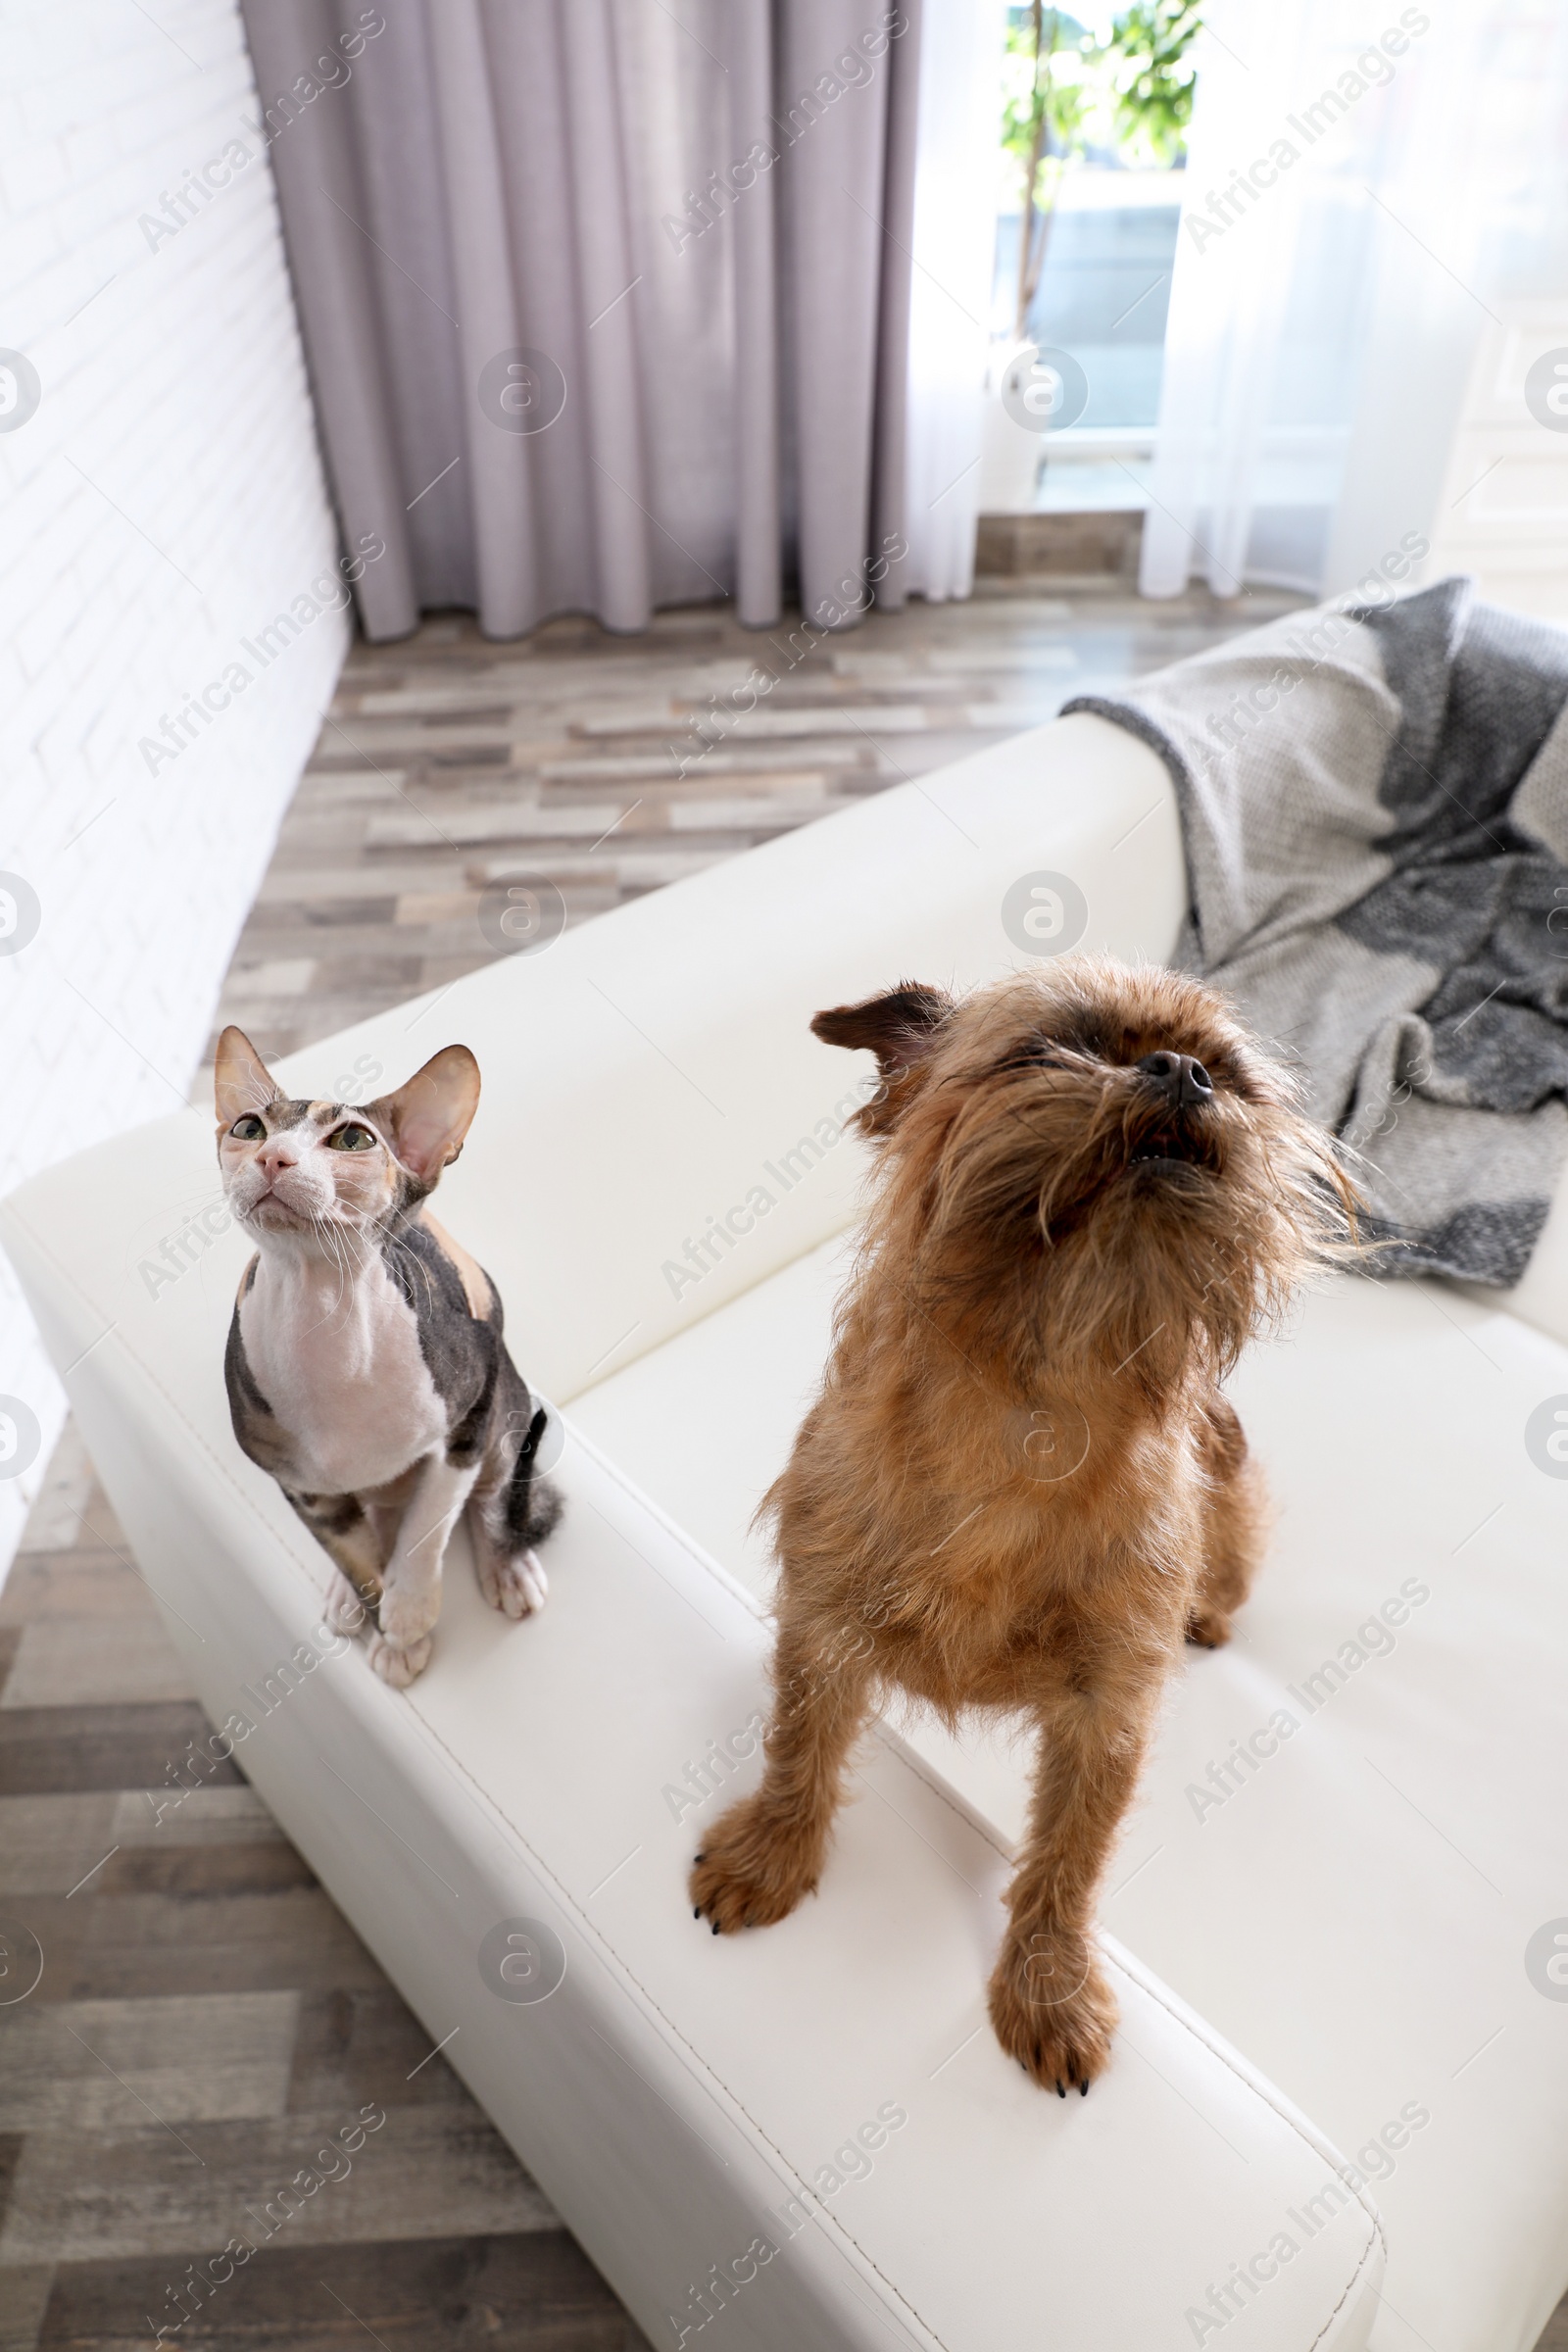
<point x="1020" y="1485"/>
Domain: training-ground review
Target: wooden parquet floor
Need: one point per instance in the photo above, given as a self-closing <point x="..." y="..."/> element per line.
<point x="205" y="2016"/>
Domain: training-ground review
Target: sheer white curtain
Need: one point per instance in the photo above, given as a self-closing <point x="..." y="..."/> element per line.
<point x="956" y="192"/>
<point x="1364" y="178"/>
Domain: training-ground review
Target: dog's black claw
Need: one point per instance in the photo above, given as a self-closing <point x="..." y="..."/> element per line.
<point x="698" y="1912"/>
<point x="701" y="1857"/>
<point x="715" y="1926"/>
<point x="1083" y="2090"/>
<point x="1060" y="2091"/>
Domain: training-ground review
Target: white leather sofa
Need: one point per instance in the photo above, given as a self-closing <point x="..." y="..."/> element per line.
<point x="1338" y="2110"/>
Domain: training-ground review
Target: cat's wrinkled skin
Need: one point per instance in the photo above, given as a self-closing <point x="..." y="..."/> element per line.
<point x="366" y="1366"/>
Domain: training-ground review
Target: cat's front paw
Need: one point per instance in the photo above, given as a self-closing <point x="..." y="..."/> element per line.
<point x="517" y="1587"/>
<point x="397" y="1665"/>
<point x="406" y="1617"/>
<point x="346" y="1612"/>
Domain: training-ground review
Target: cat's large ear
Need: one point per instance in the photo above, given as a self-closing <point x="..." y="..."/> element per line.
<point x="900" y="1028"/>
<point x="428" y="1117"/>
<point x="241" y="1078"/>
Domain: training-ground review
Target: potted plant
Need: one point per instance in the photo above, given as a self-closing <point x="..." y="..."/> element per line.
<point x="1061" y="85"/>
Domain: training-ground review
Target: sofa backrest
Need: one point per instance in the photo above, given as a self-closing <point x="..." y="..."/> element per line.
<point x="660" y="1129"/>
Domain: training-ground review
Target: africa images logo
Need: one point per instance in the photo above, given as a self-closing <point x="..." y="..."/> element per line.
<point x="1546" y="1959"/>
<point x="1045" y="914"/>
<point x="1547" y="1437"/>
<point x="21" y="390"/>
<point x="523" y="1960"/>
<point x="1546" y="391"/>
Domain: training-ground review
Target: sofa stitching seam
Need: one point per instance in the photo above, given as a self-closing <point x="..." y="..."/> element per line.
<point x="1263" y="2088"/>
<point x="1373" y="2243"/>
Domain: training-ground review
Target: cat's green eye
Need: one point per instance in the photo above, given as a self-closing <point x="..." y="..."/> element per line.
<point x="352" y="1138"/>
<point x="248" y="1130"/>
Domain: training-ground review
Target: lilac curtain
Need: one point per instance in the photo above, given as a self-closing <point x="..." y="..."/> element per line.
<point x="605" y="302"/>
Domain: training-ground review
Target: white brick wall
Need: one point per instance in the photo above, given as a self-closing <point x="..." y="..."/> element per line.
<point x="165" y="501"/>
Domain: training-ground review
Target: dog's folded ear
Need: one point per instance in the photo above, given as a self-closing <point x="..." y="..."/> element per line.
<point x="900" y="1028"/>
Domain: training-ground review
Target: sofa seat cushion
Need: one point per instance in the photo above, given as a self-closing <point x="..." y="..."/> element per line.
<point x="705" y="1422"/>
<point x="1355" y="1823"/>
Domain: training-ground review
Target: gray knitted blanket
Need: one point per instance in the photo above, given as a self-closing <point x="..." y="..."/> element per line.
<point x="1375" y="807"/>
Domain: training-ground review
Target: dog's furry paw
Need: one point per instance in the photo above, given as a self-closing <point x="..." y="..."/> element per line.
<point x="1207" y="1628"/>
<point x="1052" y="2009"/>
<point x="397" y="1665"/>
<point x="752" y="1870"/>
<point x="516" y="1586"/>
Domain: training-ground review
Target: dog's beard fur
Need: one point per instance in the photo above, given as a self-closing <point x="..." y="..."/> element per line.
<point x="1041" y="1200"/>
<point x="1020" y="1483"/>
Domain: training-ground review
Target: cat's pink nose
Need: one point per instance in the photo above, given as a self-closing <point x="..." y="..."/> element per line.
<point x="275" y="1158"/>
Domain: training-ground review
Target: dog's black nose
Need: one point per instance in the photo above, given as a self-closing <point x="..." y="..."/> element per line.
<point x="1184" y="1081"/>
